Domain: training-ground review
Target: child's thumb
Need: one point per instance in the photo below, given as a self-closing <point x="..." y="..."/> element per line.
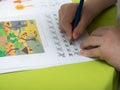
<point x="79" y="30"/>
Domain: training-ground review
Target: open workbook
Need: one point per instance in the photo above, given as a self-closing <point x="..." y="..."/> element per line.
<point x="30" y="37"/>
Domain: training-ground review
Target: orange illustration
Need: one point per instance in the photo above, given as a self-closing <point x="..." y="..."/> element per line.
<point x="21" y="7"/>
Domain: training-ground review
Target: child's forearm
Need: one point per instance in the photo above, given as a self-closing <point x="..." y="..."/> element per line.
<point x="98" y="6"/>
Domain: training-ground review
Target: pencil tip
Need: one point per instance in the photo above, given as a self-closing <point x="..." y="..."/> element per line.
<point x="70" y="42"/>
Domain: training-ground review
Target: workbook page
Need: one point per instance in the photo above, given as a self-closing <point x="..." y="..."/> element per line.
<point x="29" y="42"/>
<point x="36" y="41"/>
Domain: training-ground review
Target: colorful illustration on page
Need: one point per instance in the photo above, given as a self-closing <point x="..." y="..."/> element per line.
<point x="19" y="38"/>
<point x="20" y="4"/>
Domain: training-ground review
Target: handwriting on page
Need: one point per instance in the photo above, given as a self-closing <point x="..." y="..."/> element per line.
<point x="62" y="45"/>
<point x="49" y="3"/>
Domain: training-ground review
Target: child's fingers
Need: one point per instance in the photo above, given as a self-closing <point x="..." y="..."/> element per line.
<point x="68" y="29"/>
<point x="93" y="53"/>
<point x="60" y="22"/>
<point x="101" y="31"/>
<point x="78" y="31"/>
<point x="91" y="41"/>
<point x="65" y="24"/>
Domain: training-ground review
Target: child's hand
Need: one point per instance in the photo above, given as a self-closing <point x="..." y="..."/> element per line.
<point x="66" y="17"/>
<point x="67" y="14"/>
<point x="107" y="43"/>
<point x="90" y="10"/>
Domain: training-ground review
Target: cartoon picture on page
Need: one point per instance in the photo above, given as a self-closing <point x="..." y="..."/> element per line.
<point x="19" y="38"/>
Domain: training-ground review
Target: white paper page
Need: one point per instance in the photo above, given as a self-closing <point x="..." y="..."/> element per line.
<point x="16" y="7"/>
<point x="22" y="58"/>
<point x="28" y="7"/>
<point x="56" y="49"/>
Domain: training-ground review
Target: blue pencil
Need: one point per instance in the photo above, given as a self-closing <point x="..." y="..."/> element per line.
<point x="77" y="15"/>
